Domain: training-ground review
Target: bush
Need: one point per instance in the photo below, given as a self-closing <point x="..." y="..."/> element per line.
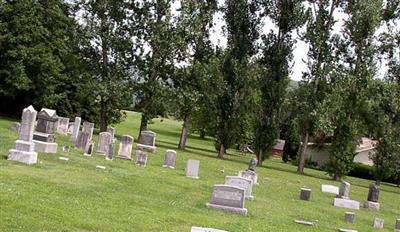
<point x="362" y="171"/>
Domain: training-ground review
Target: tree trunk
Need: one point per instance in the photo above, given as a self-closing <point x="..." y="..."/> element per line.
<point x="259" y="158"/>
<point x="303" y="150"/>
<point x="184" y="133"/>
<point x="202" y="133"/>
<point x="103" y="119"/>
<point x="143" y="124"/>
<point x="336" y="177"/>
<point x="221" y="151"/>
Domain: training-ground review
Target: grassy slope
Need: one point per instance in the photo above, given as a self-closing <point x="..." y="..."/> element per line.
<point x="55" y="195"/>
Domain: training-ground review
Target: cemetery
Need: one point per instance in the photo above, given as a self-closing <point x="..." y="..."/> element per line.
<point x="152" y="191"/>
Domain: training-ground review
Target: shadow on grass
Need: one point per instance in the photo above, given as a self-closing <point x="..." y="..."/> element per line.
<point x="294" y="172"/>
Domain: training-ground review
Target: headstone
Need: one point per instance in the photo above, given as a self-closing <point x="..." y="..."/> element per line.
<point x="346" y="203"/>
<point x="228" y="198"/>
<point x="70" y="127"/>
<point x="110" y="152"/>
<point x="346" y="230"/>
<point x="241" y="182"/>
<point x="147" y="141"/>
<point x="325" y="188"/>
<point x="397" y="227"/>
<point x="141" y="158"/>
<point x="378" y="223"/>
<point x="349" y="217"/>
<point x="344" y="190"/>
<point x="100" y="167"/>
<point x="302" y="222"/>
<point x="192" y="169"/>
<point x="204" y="229"/>
<point x="170" y="157"/>
<point x="111" y="130"/>
<point x="15" y="126"/>
<point x="305" y="194"/>
<point x="62" y="125"/>
<point x="103" y="142"/>
<point x="253" y="164"/>
<point x="24" y="148"/>
<point x="373" y="197"/>
<point x="88" y="150"/>
<point x="77" y="126"/>
<point x="251" y="175"/>
<point x="125" y="147"/>
<point x="63" y="158"/>
<point x="44" y="138"/>
<point x="85" y="136"/>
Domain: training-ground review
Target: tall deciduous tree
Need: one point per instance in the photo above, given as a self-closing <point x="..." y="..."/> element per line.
<point x="104" y="47"/>
<point x="242" y="31"/>
<point x="314" y="84"/>
<point x="274" y="77"/>
<point x="353" y="75"/>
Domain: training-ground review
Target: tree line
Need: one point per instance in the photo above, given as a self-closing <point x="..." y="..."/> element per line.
<point x="96" y="58"/>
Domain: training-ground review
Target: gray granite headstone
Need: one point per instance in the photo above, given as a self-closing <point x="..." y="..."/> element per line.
<point x="125" y="147"/>
<point x="62" y="125"/>
<point x="346" y="230"/>
<point x="253" y="164"/>
<point x="373" y="194"/>
<point x="243" y="183"/>
<point x="103" y="142"/>
<point x="228" y="198"/>
<point x="24" y="148"/>
<point x="85" y="136"/>
<point x="397" y="227"/>
<point x="378" y="223"/>
<point x="75" y="131"/>
<point x="251" y="175"/>
<point x="350" y="217"/>
<point x="147" y="141"/>
<point x="192" y="169"/>
<point x="110" y="151"/>
<point x="344" y="190"/>
<point x="346" y="203"/>
<point x="141" y="158"/>
<point x="170" y="158"/>
<point x="305" y="194"/>
<point x="326" y="188"/>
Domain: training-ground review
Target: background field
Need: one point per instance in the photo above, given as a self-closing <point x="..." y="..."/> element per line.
<point x="72" y="195"/>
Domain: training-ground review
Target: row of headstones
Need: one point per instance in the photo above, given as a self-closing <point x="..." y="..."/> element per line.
<point x="343" y="200"/>
<point x="231" y="195"/>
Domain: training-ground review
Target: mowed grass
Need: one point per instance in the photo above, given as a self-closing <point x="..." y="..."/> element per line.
<point x="57" y="195"/>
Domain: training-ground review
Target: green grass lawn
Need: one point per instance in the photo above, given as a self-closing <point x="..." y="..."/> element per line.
<point x="56" y="195"/>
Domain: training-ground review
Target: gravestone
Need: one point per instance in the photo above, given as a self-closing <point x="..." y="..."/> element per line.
<point x="228" y="198"/>
<point x="251" y="175"/>
<point x="70" y="127"/>
<point x="243" y="183"/>
<point x="192" y="169"/>
<point x="346" y="203"/>
<point x="347" y="230"/>
<point x="125" y="147"/>
<point x="253" y="164"/>
<point x="111" y="130"/>
<point x="305" y="194"/>
<point x="141" y="158"/>
<point x="24" y="148"/>
<point x="103" y="142"/>
<point x="170" y="158"/>
<point x="75" y="131"/>
<point x="325" y="188"/>
<point x="204" y="229"/>
<point x="110" y="151"/>
<point x="378" y="223"/>
<point x="373" y="197"/>
<point x="88" y="150"/>
<point x="344" y="190"/>
<point x="62" y="125"/>
<point x="147" y="141"/>
<point x="43" y="137"/>
<point x="15" y="126"/>
<point x="302" y="222"/>
<point x="85" y="136"/>
<point x="397" y="226"/>
<point x="349" y="217"/>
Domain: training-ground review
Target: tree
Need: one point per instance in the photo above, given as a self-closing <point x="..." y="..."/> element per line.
<point x="194" y="27"/>
<point x="242" y="32"/>
<point x="274" y="77"/>
<point x="36" y="52"/>
<point x="104" y="49"/>
<point x="353" y="75"/>
<point x="314" y="85"/>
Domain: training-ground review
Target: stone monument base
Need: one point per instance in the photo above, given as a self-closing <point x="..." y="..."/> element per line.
<point x="147" y="148"/>
<point x="22" y="156"/>
<point x="372" y="205"/>
<point x="346" y="203"/>
<point x="242" y="211"/>
<point x="45" y="147"/>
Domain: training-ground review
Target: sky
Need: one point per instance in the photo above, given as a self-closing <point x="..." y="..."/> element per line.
<point x="300" y="47"/>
